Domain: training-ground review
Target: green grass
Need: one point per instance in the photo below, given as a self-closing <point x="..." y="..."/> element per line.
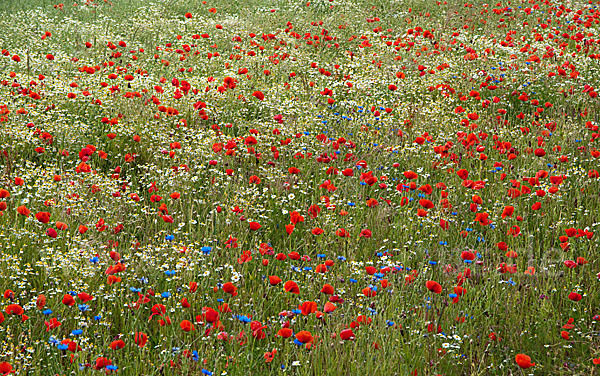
<point x="370" y="44"/>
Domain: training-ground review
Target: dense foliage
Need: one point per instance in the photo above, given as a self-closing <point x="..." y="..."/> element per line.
<point x="334" y="187"/>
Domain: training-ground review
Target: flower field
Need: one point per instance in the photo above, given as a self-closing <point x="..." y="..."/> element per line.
<point x="328" y="187"/>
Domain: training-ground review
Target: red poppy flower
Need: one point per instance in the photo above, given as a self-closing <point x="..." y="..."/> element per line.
<point x="410" y="174"/>
<point x="117" y="345"/>
<point x="434" y="287"/>
<point x="327" y="289"/>
<point x="291" y="286"/>
<point x="369" y="292"/>
<point x="317" y="231"/>
<point x="23" y="211"/>
<point x="43" y="217"/>
<point x="68" y="300"/>
<point x="314" y="211"/>
<point x="329" y="307"/>
<point x="187" y="326"/>
<point x="141" y="339"/>
<point x="304" y="337"/>
<point x="285" y="332"/>
<point x="427" y="204"/>
<point x="230" y="288"/>
<point x="270" y="355"/>
<point x="211" y="315"/>
<point x="52" y="324"/>
<point x="508" y="211"/>
<point x="444" y="224"/>
<point x="571" y="232"/>
<point x="308" y="308"/>
<point x="467" y="255"/>
<point x="51" y="233"/>
<point x="6" y="368"/>
<point x="40" y="302"/>
<point x="257" y="330"/>
<point x="463" y="174"/>
<point x="14" y="309"/>
<point x="524" y="361"/>
<point x="365" y="233"/>
<point x="575" y="296"/>
<point x="347" y="334"/>
<point x="84" y="297"/>
<point x="289" y="228"/>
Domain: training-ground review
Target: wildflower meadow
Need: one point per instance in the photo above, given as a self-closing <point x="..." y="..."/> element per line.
<point x="299" y="187"/>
